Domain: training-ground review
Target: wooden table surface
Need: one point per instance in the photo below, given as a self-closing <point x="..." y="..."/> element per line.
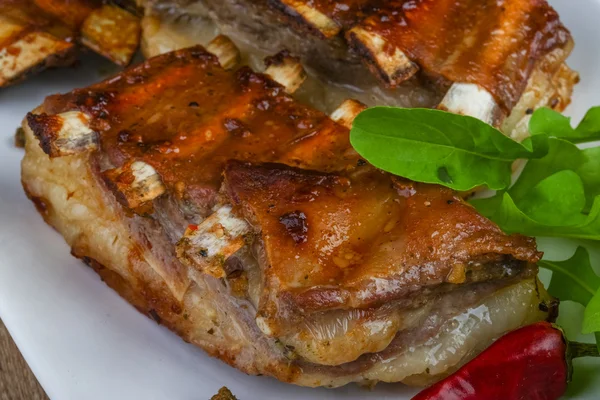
<point x="17" y="382"/>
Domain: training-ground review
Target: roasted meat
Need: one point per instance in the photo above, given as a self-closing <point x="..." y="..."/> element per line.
<point x="489" y="59"/>
<point x="35" y="34"/>
<point x="243" y="220"/>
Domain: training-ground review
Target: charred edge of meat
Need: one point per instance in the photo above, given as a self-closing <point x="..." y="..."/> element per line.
<point x="63" y="134"/>
<point x="135" y="185"/>
<point x="347" y="112"/>
<point x="226" y="51"/>
<point x="307" y="18"/>
<point x="207" y="246"/>
<point x="391" y="70"/>
<point x="296" y="20"/>
<point x="286" y="70"/>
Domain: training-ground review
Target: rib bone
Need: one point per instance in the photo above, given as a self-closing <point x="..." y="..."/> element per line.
<point x="207" y="246"/>
<point x="473" y="100"/>
<point x="112" y="32"/>
<point x="63" y="134"/>
<point x="225" y="50"/>
<point x="135" y="185"/>
<point x="286" y="71"/>
<point x="347" y="111"/>
<point x="317" y="20"/>
<point x="392" y="67"/>
<point x="221" y="235"/>
<point x="159" y="37"/>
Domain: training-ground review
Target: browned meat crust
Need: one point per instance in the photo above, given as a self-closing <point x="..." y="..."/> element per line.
<point x="496" y="46"/>
<point x="333" y="241"/>
<point x="282" y="284"/>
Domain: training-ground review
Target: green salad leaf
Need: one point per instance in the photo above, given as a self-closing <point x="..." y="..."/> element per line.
<point x="435" y="146"/>
<point x="556" y="195"/>
<point x="574" y="279"/>
<point x="562" y="155"/>
<point x="552" y="216"/>
<point x="549" y="122"/>
<point x="462" y="152"/>
<point x="591" y="316"/>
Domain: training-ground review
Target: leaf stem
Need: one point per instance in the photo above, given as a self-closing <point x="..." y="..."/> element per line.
<point x="578" y="349"/>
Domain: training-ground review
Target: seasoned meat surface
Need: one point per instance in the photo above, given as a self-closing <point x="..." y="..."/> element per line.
<point x="186" y="116"/>
<point x="418" y="49"/>
<point x="364" y="239"/>
<point x="242" y="219"/>
<point x="490" y="43"/>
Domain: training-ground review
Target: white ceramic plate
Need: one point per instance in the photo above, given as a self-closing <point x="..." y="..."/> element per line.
<point x="84" y="342"/>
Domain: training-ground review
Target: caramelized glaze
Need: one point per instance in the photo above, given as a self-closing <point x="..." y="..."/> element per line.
<point x="495" y="44"/>
<point x="337" y="233"/>
<point x="364" y="238"/>
<point x="186" y="116"/>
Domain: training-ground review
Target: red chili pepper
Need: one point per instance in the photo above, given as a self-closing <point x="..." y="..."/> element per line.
<point x="530" y="363"/>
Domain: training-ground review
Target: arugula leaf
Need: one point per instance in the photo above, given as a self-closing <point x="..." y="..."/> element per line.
<point x="549" y="122"/>
<point x="550" y="218"/>
<point x="562" y="155"/>
<point x="555" y="195"/>
<point x="589" y="172"/>
<point x="573" y="279"/>
<point x="556" y="200"/>
<point x="591" y="316"/>
<point x="435" y="146"/>
<point x="590" y="125"/>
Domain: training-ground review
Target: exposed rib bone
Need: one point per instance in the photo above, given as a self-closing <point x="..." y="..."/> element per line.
<point x="207" y="246"/>
<point x="347" y="111"/>
<point x="63" y="134"/>
<point x="33" y="50"/>
<point x="112" y="32"/>
<point x="473" y="100"/>
<point x="286" y="70"/>
<point x="135" y="184"/>
<point x="393" y="67"/>
<point x="225" y="50"/>
<point x="314" y="18"/>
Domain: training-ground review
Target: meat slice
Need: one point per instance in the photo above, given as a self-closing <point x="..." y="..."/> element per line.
<point x="477" y="45"/>
<point x="242" y="219"/>
<point x="470" y="57"/>
<point x="362" y="240"/>
<point x="35" y="34"/>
